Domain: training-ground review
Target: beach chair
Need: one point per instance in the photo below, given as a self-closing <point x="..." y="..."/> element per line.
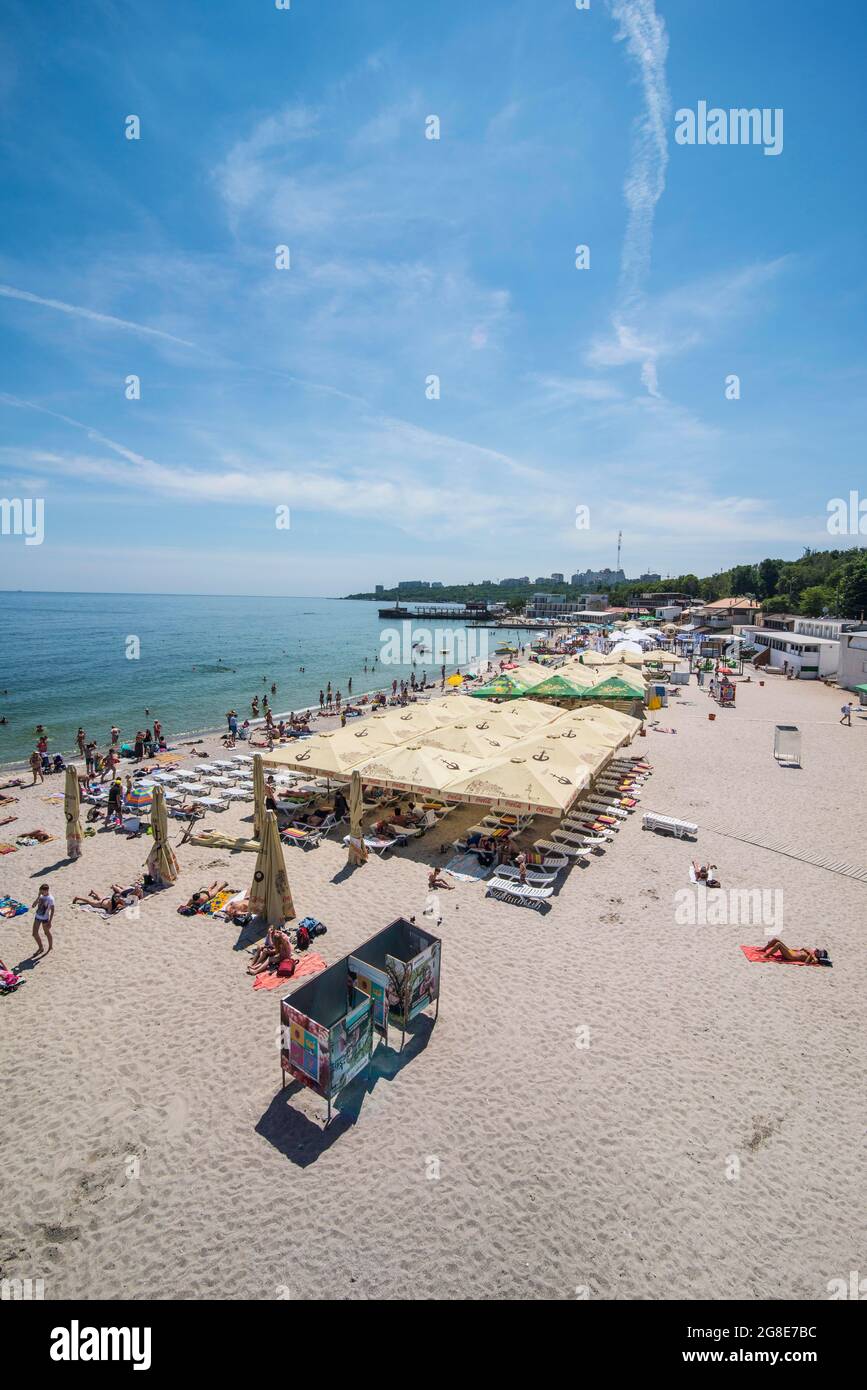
<point x="534" y="876"/>
<point x="379" y="846"/>
<point x="552" y="857"/>
<point x="668" y="825"/>
<point x="573" y="848"/>
<point x="522" y="893"/>
<point x="609" y="808"/>
<point x="510" y="822"/>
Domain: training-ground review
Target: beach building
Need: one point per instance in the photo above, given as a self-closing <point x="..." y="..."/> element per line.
<point x="810" y="657"/>
<point x="852" y="667"/>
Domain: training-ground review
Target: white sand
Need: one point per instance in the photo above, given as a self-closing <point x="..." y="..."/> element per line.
<point x="559" y="1167"/>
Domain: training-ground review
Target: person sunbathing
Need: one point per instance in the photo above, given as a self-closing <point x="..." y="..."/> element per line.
<point x="434" y="881"/>
<point x="706" y="873"/>
<point x="204" y="895"/>
<point x="778" y="948"/>
<point x="116" y="901"/>
<point x="238" y="911"/>
<point x="385" y="830"/>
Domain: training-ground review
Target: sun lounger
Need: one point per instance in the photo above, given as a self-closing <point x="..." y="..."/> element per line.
<point x="534" y="876"/>
<point x="522" y="893"/>
<point x="571" y="851"/>
<point x="668" y="825"/>
<point x="377" y="845"/>
<point x="609" y="808"/>
<point x="551" y="857"/>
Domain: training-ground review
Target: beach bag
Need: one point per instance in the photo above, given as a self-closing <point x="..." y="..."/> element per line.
<point x="286" y="967"/>
<point x="302" y="938"/>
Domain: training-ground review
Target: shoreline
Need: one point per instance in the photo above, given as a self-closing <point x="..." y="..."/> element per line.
<point x="73" y="756"/>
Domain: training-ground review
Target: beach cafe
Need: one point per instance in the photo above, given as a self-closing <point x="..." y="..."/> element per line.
<point x="328" y="1025"/>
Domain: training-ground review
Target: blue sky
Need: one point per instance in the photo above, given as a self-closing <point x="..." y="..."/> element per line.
<point x="412" y="257"/>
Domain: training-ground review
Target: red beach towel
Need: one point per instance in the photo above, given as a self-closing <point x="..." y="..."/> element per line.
<point x="754" y="953"/>
<point x="308" y="964"/>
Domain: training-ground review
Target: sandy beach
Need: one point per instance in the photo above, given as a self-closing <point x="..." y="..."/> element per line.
<point x="616" y="1105"/>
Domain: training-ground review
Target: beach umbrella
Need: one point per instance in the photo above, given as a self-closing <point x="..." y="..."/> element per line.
<point x="559" y="687"/>
<point x="332" y="754"/>
<point x="455" y="680"/>
<point x="258" y="796"/>
<point x="616" y="687"/>
<point x="417" y="768"/>
<point x="502" y="687"/>
<point x="357" y="851"/>
<point x="161" y="862"/>
<point x="72" y="808"/>
<point x="520" y="783"/>
<point x="525" y="715"/>
<point x="478" y="738"/>
<point x="270" y="896"/>
<point x="139" y="798"/>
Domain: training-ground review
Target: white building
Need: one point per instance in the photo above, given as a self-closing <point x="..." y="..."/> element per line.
<point x="852" y="670"/>
<point x="811" y="658"/>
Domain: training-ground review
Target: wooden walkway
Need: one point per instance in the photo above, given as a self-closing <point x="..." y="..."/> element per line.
<point x="821" y="861"/>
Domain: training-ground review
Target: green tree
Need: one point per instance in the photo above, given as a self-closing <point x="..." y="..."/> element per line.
<point x="853" y="588"/>
<point x="742" y="581"/>
<point x="768" y="572"/>
<point x="781" y="603"/>
<point x="815" y="600"/>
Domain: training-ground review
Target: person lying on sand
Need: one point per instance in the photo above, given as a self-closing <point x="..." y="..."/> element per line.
<point x="204" y="895"/>
<point x="235" y="912"/>
<point x="776" y="947"/>
<point x="117" y="900"/>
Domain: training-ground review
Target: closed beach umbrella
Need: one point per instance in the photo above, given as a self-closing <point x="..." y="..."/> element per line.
<point x="357" y="848"/>
<point x="269" y="895"/>
<point x="72" y="807"/>
<point x="258" y="796"/>
<point x="161" y="862"/>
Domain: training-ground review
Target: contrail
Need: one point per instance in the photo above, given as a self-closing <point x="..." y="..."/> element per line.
<point x="647" y="45"/>
<point x="9" y="292"/>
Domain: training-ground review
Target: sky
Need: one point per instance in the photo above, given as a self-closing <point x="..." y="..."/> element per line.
<point x="430" y="388"/>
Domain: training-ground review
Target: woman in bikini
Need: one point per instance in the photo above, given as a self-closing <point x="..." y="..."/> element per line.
<point x="776" y="947"/>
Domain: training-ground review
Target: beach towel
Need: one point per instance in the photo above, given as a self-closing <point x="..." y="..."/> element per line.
<point x="10" y="907"/>
<point x="308" y="964"/>
<point x="754" y="954"/>
<point x="52" y="799"/>
<point x="467" y="867"/>
<point x="8" y="849"/>
<point x="221" y="910"/>
<point x="33" y="837"/>
<point x="657" y="729"/>
<point x="219" y="900"/>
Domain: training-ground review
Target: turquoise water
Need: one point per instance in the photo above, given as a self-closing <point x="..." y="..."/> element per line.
<point x="64" y="663"/>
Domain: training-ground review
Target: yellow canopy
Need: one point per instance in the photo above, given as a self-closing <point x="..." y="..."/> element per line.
<point x="520" y="783"/>
<point x="484" y="738"/>
<point x="417" y="768"/>
<point x="333" y="754"/>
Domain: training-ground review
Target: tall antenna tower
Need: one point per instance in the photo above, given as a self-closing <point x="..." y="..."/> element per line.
<point x="619" y="541"/>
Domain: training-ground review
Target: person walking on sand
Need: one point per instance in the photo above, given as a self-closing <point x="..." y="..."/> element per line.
<point x="36" y="767"/>
<point x="44" y="905"/>
<point x="846" y="712"/>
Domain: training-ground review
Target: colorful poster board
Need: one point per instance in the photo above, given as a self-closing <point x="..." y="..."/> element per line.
<point x="351" y="1043"/>
<point x="305" y="1049"/>
<point x="418" y="982"/>
<point x="374" y="984"/>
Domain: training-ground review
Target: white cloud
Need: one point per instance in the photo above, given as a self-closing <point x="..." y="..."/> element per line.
<point x="9" y="292"/>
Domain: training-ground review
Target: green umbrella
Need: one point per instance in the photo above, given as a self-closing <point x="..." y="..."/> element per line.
<point x="502" y="687"/>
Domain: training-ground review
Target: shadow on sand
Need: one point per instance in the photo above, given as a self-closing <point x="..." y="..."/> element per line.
<point x="301" y="1139"/>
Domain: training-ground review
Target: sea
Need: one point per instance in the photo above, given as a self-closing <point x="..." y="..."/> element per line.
<point x="100" y="659"/>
